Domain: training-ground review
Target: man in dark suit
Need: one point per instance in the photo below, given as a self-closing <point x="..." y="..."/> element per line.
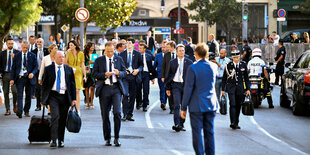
<point x="147" y="50"/>
<point x="200" y="97"/>
<point x="32" y="43"/>
<point x="110" y="70"/>
<point x="149" y="40"/>
<point x="189" y="49"/>
<point x="40" y="52"/>
<point x="134" y="66"/>
<point x="148" y="73"/>
<point x="157" y="65"/>
<point x="24" y="68"/>
<point x="175" y="82"/>
<point x="6" y="59"/>
<point x="58" y="91"/>
<point x="234" y="80"/>
<point x="165" y="67"/>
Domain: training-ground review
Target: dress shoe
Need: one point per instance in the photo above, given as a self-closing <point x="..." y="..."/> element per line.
<point x="233" y="126"/>
<point x="130" y="118"/>
<point x="27" y="114"/>
<point x="38" y="109"/>
<point x="14" y="108"/>
<point x="271" y="106"/>
<point x="182" y="128"/>
<point x="171" y="111"/>
<point x="53" y="144"/>
<point x="176" y="128"/>
<point x="108" y="143"/>
<point x="117" y="143"/>
<point x="124" y="118"/>
<point x="144" y="109"/>
<point x="163" y="106"/>
<point x="60" y="143"/>
<point x="7" y="113"/>
<point x="19" y="114"/>
<point x="238" y="127"/>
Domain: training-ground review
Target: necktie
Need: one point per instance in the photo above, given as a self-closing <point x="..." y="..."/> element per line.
<point x="110" y="70"/>
<point x="9" y="62"/>
<point x="180" y="70"/>
<point x="58" y="79"/>
<point x="25" y="61"/>
<point x="129" y="60"/>
<point x="172" y="55"/>
<point x="143" y="61"/>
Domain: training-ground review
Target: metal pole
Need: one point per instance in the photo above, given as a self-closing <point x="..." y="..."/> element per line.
<point x="82" y="27"/>
<point x="179" y="19"/>
<point x="280" y="28"/>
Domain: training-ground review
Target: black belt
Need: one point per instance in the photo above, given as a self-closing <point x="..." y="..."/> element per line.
<point x="110" y="85"/>
<point x="56" y="92"/>
<point x="219" y="77"/>
<point x="22" y="77"/>
<point x="179" y="82"/>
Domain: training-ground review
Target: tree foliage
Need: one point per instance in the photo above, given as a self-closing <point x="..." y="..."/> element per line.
<point x="17" y="14"/>
<point x="305" y="7"/>
<point x="224" y="13"/>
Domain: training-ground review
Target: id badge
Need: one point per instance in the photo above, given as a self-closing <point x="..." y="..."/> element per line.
<point x="62" y="91"/>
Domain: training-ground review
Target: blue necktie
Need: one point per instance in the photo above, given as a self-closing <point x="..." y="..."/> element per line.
<point x="110" y="70"/>
<point x="9" y="63"/>
<point x="24" y="63"/>
<point x="129" y="60"/>
<point x="58" y="79"/>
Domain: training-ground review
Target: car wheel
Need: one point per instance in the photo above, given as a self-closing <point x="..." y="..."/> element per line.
<point x="298" y="108"/>
<point x="284" y="101"/>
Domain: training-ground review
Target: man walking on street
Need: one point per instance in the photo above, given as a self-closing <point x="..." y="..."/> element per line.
<point x="200" y="97"/>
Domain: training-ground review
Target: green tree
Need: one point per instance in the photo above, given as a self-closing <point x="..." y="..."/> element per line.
<point x="51" y="7"/>
<point x="16" y="15"/>
<point x="224" y="13"/>
<point x="305" y="7"/>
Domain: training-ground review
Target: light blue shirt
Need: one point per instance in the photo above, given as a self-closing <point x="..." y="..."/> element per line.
<point x="223" y="63"/>
<point x="21" y="73"/>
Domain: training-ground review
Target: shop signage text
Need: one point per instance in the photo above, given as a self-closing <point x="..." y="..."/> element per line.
<point x="135" y="23"/>
<point x="47" y="19"/>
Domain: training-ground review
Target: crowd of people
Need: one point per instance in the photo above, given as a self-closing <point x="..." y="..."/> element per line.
<point x="189" y="75"/>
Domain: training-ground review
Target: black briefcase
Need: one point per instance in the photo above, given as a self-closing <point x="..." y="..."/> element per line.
<point x="223" y="105"/>
<point x="39" y="128"/>
<point x="74" y="121"/>
<point x="248" y="107"/>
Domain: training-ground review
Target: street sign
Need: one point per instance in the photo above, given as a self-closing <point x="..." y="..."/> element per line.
<point x="177" y="25"/>
<point x="281" y="19"/>
<point x="178" y="31"/>
<point x="281" y="13"/>
<point x="64" y="28"/>
<point x="82" y="14"/>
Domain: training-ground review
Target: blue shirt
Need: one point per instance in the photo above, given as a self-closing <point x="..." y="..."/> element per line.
<point x="223" y="63"/>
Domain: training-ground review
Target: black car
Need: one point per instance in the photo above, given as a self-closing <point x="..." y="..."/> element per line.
<point x="287" y="36"/>
<point x="296" y="86"/>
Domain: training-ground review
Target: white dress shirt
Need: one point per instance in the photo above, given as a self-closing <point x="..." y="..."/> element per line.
<point x="22" y="71"/>
<point x="178" y="77"/>
<point x="7" y="59"/>
<point x="175" y="55"/>
<point x="33" y="47"/>
<point x="63" y="86"/>
<point x="145" y="68"/>
<point x="107" y="81"/>
<point x="46" y="61"/>
<point x="40" y="56"/>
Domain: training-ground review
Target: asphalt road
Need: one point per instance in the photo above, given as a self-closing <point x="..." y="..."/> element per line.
<point x="269" y="132"/>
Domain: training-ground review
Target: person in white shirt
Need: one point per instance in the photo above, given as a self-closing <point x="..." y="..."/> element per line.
<point x="102" y="41"/>
<point x="275" y="38"/>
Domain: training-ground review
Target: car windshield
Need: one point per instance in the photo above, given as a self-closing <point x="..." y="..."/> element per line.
<point x="285" y="34"/>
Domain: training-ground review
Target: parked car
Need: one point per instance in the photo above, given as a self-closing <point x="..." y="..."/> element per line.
<point x="287" y="36"/>
<point x="295" y="86"/>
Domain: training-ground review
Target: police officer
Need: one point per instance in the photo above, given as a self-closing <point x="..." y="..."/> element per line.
<point x="255" y="68"/>
<point x="246" y="52"/>
<point x="280" y="61"/>
<point x="236" y="83"/>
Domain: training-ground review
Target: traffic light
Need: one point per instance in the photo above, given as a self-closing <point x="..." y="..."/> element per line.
<point x="245" y="11"/>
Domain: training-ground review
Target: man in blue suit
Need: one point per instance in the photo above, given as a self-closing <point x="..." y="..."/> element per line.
<point x="175" y="83"/>
<point x="109" y="70"/>
<point x="200" y="97"/>
<point x="157" y="65"/>
<point x="148" y="73"/>
<point x="25" y="66"/>
<point x="134" y="66"/>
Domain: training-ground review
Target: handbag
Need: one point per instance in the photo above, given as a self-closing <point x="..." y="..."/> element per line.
<point x="223" y="105"/>
<point x="248" y="107"/>
<point x="74" y="121"/>
<point x="88" y="71"/>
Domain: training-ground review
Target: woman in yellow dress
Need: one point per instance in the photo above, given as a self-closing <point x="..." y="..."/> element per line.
<point x="75" y="59"/>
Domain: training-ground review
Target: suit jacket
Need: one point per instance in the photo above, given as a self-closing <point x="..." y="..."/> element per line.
<point x="4" y="58"/>
<point x="199" y="90"/>
<point x="45" y="51"/>
<point x="158" y="63"/>
<point x="165" y="65"/>
<point x="150" y="66"/>
<point x="48" y="81"/>
<point x="35" y="47"/>
<point x="32" y="66"/>
<point x="231" y="85"/>
<point x="190" y="52"/>
<point x="151" y="43"/>
<point x="100" y="68"/>
<point x="136" y="62"/>
<point x="173" y="67"/>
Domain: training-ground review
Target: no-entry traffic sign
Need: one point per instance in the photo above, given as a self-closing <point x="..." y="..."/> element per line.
<point x="82" y="14"/>
<point x="281" y="13"/>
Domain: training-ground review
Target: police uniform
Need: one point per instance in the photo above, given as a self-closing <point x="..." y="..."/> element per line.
<point x="248" y="54"/>
<point x="280" y="65"/>
<point x="235" y="83"/>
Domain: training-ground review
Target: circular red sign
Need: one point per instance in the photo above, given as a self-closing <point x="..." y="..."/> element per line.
<point x="281" y="13"/>
<point x="82" y="14"/>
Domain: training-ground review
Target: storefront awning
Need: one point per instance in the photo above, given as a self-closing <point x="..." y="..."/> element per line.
<point x="90" y="30"/>
<point x="132" y="30"/>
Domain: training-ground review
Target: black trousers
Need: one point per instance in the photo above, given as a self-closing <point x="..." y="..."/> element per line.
<point x="59" y="110"/>
<point x="177" y="90"/>
<point x="235" y="102"/>
<point x="38" y="92"/>
<point x="145" y="86"/>
<point x="6" y="78"/>
<point x="279" y="73"/>
<point x="129" y="102"/>
<point x="110" y="96"/>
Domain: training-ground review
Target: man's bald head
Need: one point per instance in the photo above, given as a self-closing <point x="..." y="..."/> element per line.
<point x="40" y="43"/>
<point x="59" y="57"/>
<point x="222" y="53"/>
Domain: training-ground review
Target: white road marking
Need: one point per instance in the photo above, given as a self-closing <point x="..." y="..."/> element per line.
<point x="147" y="114"/>
<point x="176" y="152"/>
<point x="161" y="125"/>
<point x="274" y="138"/>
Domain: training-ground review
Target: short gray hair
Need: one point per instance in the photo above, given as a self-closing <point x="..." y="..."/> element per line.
<point x="180" y="45"/>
